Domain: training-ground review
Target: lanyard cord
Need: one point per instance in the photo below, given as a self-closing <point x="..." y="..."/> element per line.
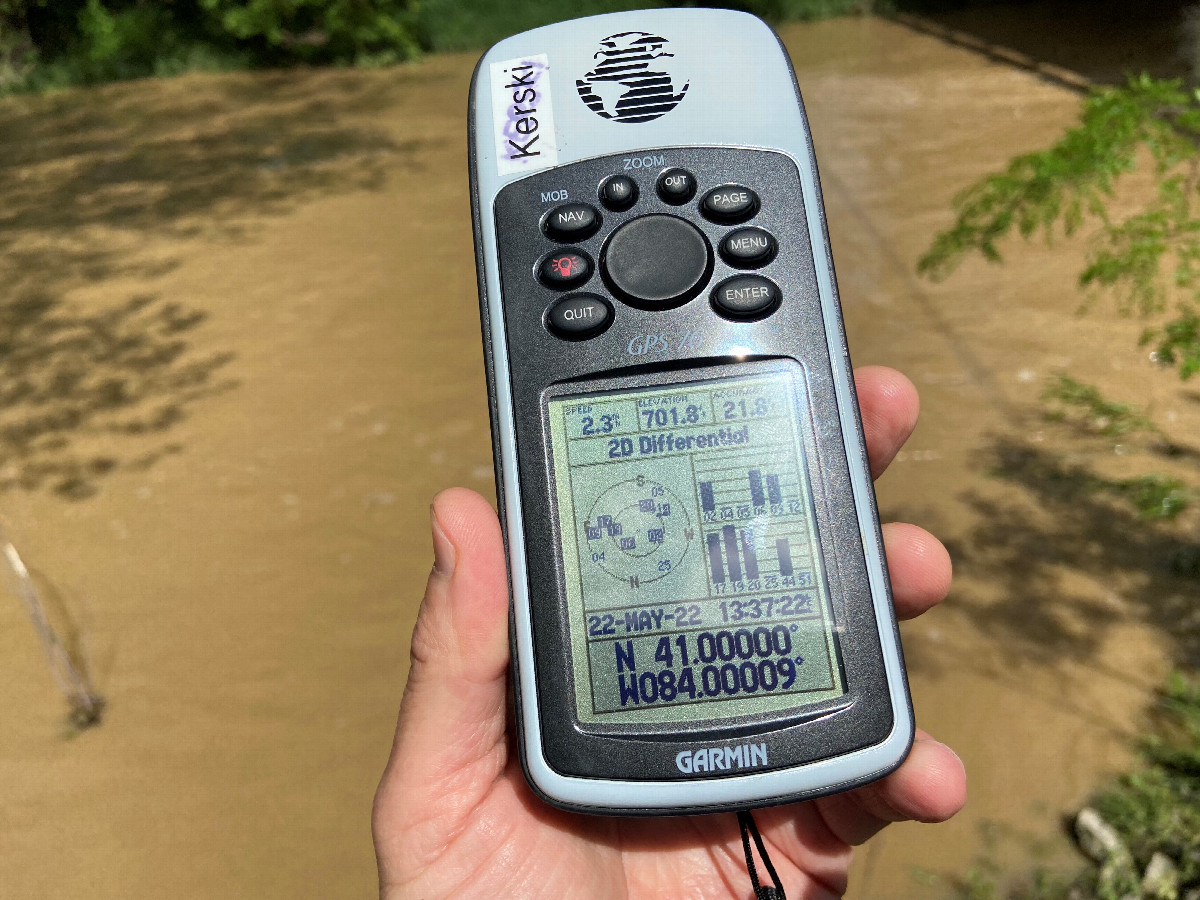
<point x="750" y="830"/>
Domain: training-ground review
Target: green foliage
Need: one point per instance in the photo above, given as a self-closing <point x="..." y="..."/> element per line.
<point x="802" y="10"/>
<point x="1067" y="398"/>
<point x="474" y="24"/>
<point x="1155" y="809"/>
<point x="1178" y="342"/>
<point x="448" y="25"/>
<point x="356" y="31"/>
<point x="49" y="43"/>
<point x="90" y="41"/>
<point x="1153" y="496"/>
<point x="16" y="47"/>
<point x="1146" y="259"/>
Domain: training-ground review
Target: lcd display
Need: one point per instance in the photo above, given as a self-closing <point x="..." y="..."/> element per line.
<point x="694" y="579"/>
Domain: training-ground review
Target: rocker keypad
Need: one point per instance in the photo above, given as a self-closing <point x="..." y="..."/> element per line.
<point x="656" y="258"/>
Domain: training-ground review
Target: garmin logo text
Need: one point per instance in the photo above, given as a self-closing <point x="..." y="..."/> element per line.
<point x="715" y="759"/>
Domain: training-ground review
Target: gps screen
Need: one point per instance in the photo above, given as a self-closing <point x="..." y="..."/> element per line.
<point x="693" y="573"/>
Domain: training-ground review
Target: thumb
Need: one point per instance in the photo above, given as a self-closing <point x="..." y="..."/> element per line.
<point x="450" y="740"/>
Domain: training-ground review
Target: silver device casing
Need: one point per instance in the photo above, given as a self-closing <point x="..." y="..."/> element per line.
<point x="741" y="93"/>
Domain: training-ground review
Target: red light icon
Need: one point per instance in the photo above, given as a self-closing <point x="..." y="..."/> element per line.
<point x="566" y="266"/>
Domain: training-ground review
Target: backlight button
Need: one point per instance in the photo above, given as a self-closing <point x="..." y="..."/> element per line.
<point x="565" y="269"/>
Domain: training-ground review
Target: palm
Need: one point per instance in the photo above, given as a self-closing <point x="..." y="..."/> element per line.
<point x="534" y="851"/>
<point x="454" y="816"/>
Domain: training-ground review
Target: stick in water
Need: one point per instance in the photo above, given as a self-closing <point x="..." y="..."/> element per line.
<point x="87" y="706"/>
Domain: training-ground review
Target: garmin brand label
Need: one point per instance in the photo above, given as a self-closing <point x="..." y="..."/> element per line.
<point x="721" y="759"/>
<point x="523" y="115"/>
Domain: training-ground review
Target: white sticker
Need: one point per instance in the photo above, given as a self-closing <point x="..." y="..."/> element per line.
<point x="523" y="115"/>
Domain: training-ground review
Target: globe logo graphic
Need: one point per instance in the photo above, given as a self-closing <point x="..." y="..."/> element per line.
<point x="632" y="80"/>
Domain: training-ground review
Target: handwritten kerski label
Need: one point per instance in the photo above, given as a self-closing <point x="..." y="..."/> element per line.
<point x="523" y="115"/>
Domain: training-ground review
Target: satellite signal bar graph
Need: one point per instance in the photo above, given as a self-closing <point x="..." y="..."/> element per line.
<point x="738" y="483"/>
<point x="753" y="520"/>
<point x="742" y="558"/>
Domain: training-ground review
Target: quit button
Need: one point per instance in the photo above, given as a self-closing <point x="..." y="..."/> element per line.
<point x="579" y="316"/>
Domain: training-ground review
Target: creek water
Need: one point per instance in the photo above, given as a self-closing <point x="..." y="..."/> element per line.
<point x="247" y="307"/>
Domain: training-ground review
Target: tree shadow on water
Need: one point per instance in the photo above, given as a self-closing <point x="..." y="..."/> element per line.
<point x="91" y="185"/>
<point x="157" y="155"/>
<point x="1051" y="539"/>
<point x="73" y="383"/>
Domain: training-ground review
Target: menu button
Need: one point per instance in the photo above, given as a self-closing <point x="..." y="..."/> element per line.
<point x="748" y="248"/>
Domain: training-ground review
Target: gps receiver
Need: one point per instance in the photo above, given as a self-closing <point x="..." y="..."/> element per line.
<point x="701" y="612"/>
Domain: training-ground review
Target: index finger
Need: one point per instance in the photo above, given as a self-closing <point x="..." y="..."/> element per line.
<point x="889" y="406"/>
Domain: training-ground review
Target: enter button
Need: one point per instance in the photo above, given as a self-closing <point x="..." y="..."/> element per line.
<point x="746" y="297"/>
<point x="579" y="316"/>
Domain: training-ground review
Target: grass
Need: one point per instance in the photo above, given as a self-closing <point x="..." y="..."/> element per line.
<point x="1155" y="810"/>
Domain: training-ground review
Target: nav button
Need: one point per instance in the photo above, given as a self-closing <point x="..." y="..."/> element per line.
<point x="571" y="222"/>
<point x="579" y="316"/>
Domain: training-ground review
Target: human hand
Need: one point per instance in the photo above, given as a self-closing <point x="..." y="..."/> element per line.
<point x="454" y="816"/>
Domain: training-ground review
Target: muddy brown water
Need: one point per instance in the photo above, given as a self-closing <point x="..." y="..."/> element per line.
<point x="242" y="354"/>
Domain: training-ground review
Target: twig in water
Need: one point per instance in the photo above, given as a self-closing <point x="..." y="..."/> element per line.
<point x="87" y="706"/>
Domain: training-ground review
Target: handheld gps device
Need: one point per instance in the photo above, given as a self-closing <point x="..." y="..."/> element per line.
<point x="701" y="613"/>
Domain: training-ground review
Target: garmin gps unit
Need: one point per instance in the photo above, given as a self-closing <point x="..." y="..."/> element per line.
<point x="701" y="613"/>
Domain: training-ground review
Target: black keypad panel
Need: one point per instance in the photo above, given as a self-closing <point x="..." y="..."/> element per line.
<point x="709" y="236"/>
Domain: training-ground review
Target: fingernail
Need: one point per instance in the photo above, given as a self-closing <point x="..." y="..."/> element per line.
<point x="443" y="550"/>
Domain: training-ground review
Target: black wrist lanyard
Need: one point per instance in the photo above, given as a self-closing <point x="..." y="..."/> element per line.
<point x="750" y="830"/>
